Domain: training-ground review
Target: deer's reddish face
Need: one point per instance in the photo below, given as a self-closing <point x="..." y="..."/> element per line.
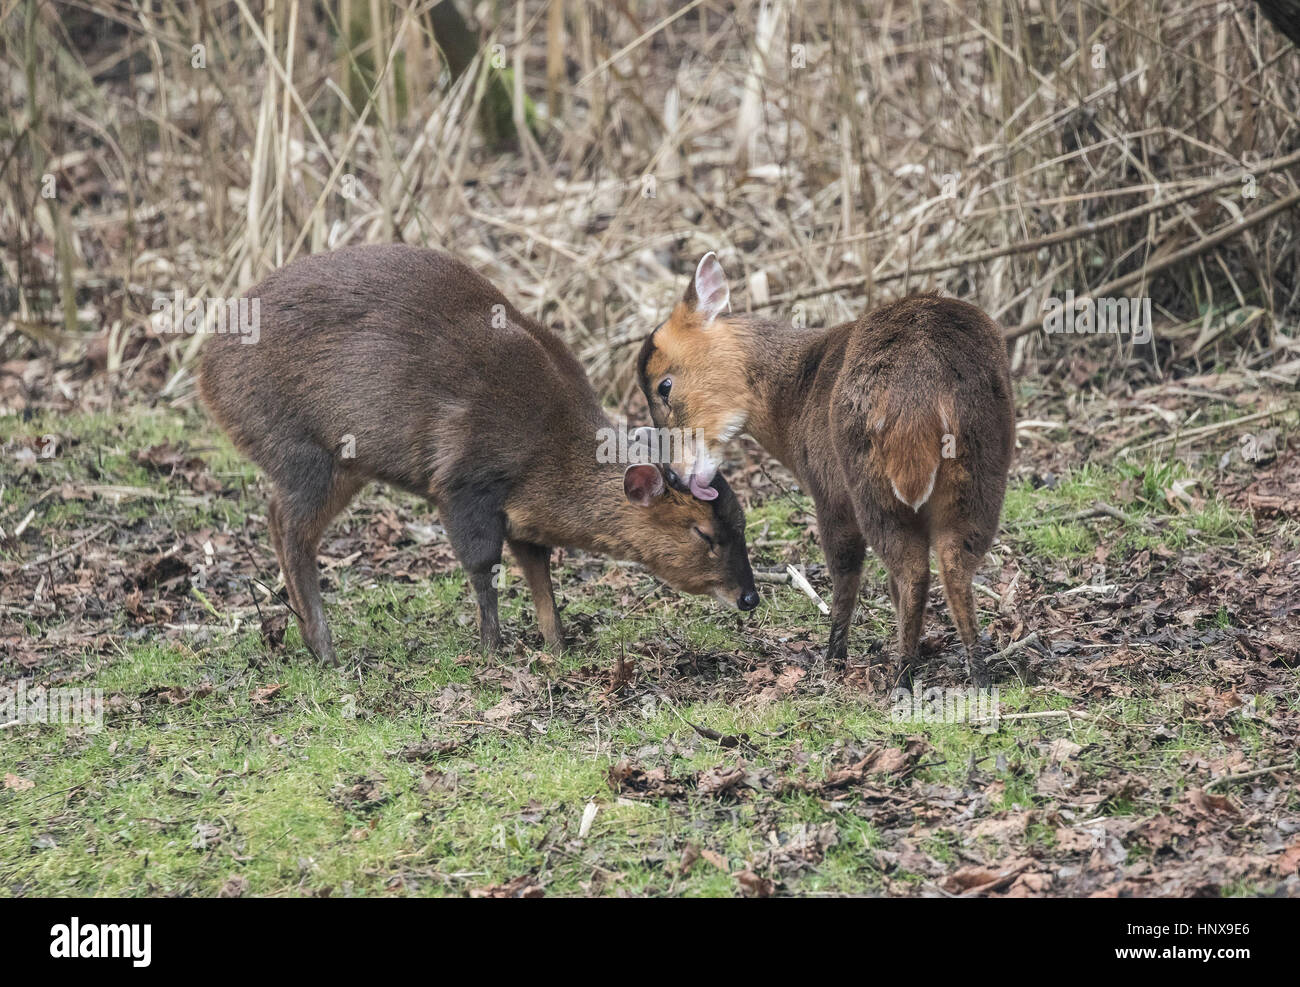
<point x="692" y="372"/>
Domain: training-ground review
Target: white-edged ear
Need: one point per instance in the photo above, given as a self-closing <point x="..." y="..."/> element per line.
<point x="712" y="294"/>
<point x="642" y="482"/>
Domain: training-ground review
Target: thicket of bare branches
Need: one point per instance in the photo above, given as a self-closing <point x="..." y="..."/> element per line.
<point x="834" y="154"/>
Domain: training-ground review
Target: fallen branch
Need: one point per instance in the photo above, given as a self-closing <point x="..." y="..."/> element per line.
<point x="1193" y="434"/>
<point x="1044" y="714"/>
<point x="67" y="551"/>
<point x="1098" y="509"/>
<point x="1247" y="775"/>
<point x="1078" y="232"/>
<point x="1090" y="588"/>
<point x="1016" y="648"/>
<point x="1177" y="257"/>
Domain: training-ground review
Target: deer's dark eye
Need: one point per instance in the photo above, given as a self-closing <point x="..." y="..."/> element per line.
<point x="665" y="387"/>
<point x="708" y="540"/>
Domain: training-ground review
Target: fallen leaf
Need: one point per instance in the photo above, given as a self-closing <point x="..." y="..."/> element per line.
<point x="717" y="860"/>
<point x="721" y="780"/>
<point x="524" y="886"/>
<point x="235" y="887"/>
<point x="758" y="887"/>
<point x="1062" y="750"/>
<point x="1207" y="804"/>
<point x="17" y="784"/>
<point x="260" y="696"/>
<point x="1288" y="861"/>
<point x="975" y="879"/>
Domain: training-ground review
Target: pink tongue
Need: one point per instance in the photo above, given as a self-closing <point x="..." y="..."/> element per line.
<point x="701" y="489"/>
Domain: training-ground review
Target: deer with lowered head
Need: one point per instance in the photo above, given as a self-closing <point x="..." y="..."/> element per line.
<point x="401" y="364"/>
<point x="899" y="425"/>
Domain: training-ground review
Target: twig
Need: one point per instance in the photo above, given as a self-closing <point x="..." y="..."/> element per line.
<point x="1041" y="714"/>
<point x="1177" y="257"/>
<point x="67" y="551"/>
<point x="1247" y="775"/>
<point x="1083" y="515"/>
<point x="1016" y="648"/>
<point x="1090" y="588"/>
<point x="22" y="525"/>
<point x="1098" y="509"/>
<point x="1203" y="431"/>
<point x="1078" y="232"/>
<point x="798" y="579"/>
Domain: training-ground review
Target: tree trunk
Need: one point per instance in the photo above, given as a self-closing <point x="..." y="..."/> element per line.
<point x="1285" y="16"/>
<point x="459" y="45"/>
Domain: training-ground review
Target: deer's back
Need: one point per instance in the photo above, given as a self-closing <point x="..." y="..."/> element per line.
<point x="403" y="355"/>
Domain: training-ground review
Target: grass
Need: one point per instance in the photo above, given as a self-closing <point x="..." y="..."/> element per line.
<point x="1137" y="490"/>
<point x="199" y="780"/>
<point x="178" y="799"/>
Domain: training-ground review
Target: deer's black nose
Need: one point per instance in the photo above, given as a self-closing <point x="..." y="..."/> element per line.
<point x="748" y="600"/>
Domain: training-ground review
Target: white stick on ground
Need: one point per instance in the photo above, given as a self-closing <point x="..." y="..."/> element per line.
<point x="798" y="579"/>
<point x="588" y="817"/>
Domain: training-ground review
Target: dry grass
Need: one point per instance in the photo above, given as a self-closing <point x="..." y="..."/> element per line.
<point x="835" y="155"/>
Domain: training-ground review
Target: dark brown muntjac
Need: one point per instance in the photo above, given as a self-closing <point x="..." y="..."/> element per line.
<point x="401" y="364"/>
<point x="900" y="426"/>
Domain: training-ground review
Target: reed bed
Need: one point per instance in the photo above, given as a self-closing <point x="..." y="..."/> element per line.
<point x="583" y="156"/>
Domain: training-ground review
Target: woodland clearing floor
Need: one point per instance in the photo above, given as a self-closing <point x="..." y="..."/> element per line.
<point x="1147" y="745"/>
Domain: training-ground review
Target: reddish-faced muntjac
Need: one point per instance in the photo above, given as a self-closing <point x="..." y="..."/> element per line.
<point x="900" y="426"/>
<point x="403" y="365"/>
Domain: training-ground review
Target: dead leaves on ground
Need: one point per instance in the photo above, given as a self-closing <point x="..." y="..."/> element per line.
<point x="633" y="781"/>
<point x="976" y="879"/>
<point x="179" y="695"/>
<point x="524" y="886"/>
<point x="749" y="882"/>
<point x="740" y="779"/>
<point x="362" y="794"/>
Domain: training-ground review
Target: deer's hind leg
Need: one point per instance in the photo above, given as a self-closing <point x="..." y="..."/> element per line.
<point x="905" y="549"/>
<point x="309" y="491"/>
<point x="958" y="560"/>
<point x="535" y="560"/>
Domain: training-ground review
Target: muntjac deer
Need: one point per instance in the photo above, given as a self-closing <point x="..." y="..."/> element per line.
<point x="403" y="365"/>
<point x="899" y="425"/>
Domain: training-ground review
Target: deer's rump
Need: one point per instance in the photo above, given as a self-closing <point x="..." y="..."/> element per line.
<point x="922" y="408"/>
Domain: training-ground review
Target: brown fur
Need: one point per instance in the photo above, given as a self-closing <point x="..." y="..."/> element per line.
<point x="446" y="390"/>
<point x="859" y="413"/>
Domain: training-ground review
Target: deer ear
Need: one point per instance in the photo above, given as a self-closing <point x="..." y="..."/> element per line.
<point x="708" y="293"/>
<point x="642" y="482"/>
